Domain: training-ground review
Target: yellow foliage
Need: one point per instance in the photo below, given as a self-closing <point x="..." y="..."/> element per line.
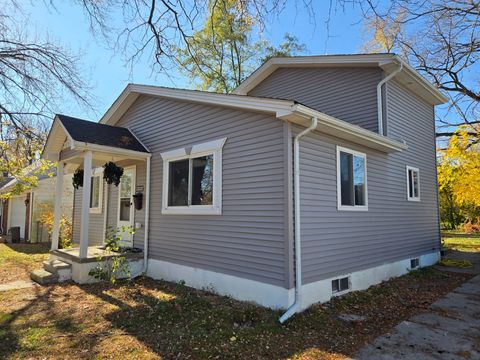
<point x="459" y="168"/>
<point x="66" y="229"/>
<point x="385" y="33"/>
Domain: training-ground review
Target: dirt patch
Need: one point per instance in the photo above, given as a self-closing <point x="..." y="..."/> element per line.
<point x="147" y="319"/>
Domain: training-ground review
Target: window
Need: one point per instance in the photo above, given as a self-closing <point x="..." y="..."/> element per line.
<point x="414" y="263"/>
<point x="351" y="180"/>
<point x="340" y="285"/>
<point x="413" y="184"/>
<point x="192" y="183"/>
<point x="96" y="191"/>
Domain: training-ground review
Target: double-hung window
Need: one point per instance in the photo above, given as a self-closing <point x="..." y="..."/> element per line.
<point x="192" y="179"/>
<point x="413" y="184"/>
<point x="351" y="180"/>
<point x="96" y="191"/>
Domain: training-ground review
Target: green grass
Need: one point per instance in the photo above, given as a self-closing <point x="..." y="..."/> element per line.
<point x="23" y="253"/>
<point x="464" y="244"/>
<point x="17" y="260"/>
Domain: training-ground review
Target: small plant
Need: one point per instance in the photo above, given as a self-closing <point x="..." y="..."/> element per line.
<point x="112" y="173"/>
<point x="77" y="179"/>
<point x="111" y="267"/>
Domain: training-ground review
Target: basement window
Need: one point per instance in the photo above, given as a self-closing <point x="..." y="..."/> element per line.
<point x="340" y="285"/>
<point x="414" y="263"/>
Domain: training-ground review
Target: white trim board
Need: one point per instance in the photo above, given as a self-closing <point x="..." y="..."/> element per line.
<point x="277" y="297"/>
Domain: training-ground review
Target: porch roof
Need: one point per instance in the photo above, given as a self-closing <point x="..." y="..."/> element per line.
<point x="81" y="134"/>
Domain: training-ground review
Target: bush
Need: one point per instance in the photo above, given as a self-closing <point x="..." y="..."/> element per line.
<point x="66" y="228"/>
<point x="471" y="227"/>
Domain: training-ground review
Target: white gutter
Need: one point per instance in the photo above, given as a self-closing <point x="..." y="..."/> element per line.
<point x="147" y="218"/>
<point x="295" y="307"/>
<point x="379" y="97"/>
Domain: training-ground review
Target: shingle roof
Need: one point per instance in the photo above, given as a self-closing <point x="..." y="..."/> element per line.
<point x="100" y="134"/>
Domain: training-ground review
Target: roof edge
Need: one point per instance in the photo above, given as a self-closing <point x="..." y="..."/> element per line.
<point x="378" y="60"/>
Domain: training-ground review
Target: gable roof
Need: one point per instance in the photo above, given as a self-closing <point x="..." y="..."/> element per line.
<point x="288" y="110"/>
<point x="95" y="133"/>
<point x="87" y="135"/>
<point x="389" y="63"/>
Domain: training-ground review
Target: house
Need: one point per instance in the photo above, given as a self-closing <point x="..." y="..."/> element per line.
<point x="25" y="210"/>
<point x="315" y="177"/>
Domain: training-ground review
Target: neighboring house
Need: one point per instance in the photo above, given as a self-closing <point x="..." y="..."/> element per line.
<point x="25" y="210"/>
<point x="237" y="202"/>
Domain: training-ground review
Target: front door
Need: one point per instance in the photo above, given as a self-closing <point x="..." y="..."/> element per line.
<point x="125" y="206"/>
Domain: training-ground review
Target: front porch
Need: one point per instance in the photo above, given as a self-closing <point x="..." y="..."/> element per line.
<point x="82" y="145"/>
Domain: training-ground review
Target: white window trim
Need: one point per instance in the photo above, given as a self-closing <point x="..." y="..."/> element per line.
<point x="98" y="210"/>
<point x="209" y="148"/>
<point x="341" y="207"/>
<point x="407" y="169"/>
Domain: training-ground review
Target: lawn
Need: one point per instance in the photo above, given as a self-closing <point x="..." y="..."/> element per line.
<point x="17" y="260"/>
<point x="147" y="319"/>
<point x="464" y="244"/>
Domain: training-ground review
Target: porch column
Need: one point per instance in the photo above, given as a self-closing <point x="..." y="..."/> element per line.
<point x="87" y="176"/>
<point x="58" y="206"/>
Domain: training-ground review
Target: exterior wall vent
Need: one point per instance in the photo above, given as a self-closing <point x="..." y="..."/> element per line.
<point x="340" y="285"/>
<point x="414" y="263"/>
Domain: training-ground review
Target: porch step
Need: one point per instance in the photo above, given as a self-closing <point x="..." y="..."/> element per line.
<point x="43" y="277"/>
<point x="62" y="269"/>
<point x="55" y="265"/>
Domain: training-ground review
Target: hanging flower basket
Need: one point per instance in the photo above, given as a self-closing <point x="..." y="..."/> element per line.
<point x="78" y="179"/>
<point x="112" y="173"/>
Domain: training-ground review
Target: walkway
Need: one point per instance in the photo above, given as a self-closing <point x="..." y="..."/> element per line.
<point x="450" y="330"/>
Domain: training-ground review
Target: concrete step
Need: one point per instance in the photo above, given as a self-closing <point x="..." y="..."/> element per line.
<point x="43" y="277"/>
<point x="55" y="265"/>
<point x="60" y="268"/>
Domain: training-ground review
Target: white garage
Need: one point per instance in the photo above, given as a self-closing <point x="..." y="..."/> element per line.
<point x="17" y="213"/>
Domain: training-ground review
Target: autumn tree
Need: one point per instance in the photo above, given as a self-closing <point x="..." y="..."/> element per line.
<point x="35" y="74"/>
<point x="441" y="39"/>
<point x="458" y="177"/>
<point x="158" y="29"/>
<point x="224" y="52"/>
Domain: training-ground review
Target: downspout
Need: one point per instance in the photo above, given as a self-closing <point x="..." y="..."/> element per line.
<point x="295" y="307"/>
<point x="379" y="98"/>
<point x="147" y="217"/>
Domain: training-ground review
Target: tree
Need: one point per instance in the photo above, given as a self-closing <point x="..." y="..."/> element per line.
<point x="440" y="38"/>
<point x="34" y="75"/>
<point x="157" y="29"/>
<point x="223" y="53"/>
<point x="458" y="177"/>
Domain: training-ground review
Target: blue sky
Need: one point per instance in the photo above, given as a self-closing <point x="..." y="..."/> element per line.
<point x="108" y="75"/>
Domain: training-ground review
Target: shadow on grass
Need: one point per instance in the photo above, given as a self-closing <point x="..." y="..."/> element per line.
<point x="10" y="339"/>
<point x="30" y="249"/>
<point x="144" y="318"/>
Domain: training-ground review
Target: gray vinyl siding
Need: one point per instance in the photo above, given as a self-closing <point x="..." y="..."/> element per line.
<point x="249" y="239"/>
<point x="339" y="242"/>
<point x="96" y="221"/>
<point x="138" y="215"/>
<point x="346" y="93"/>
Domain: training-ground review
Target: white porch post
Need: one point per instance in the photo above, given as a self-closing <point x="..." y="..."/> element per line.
<point x="58" y="202"/>
<point x="87" y="175"/>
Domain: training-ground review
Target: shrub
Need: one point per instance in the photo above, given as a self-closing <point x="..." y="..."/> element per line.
<point x="66" y="229"/>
